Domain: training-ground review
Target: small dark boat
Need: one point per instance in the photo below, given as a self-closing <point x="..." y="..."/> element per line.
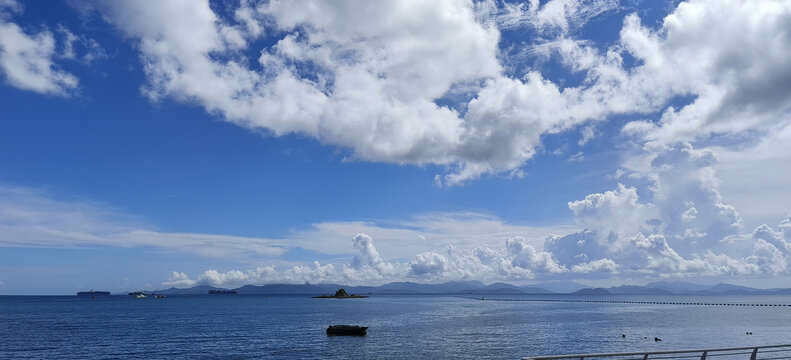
<point x="346" y="330"/>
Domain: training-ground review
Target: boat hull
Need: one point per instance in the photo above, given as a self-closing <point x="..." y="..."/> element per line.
<point x="346" y="330"/>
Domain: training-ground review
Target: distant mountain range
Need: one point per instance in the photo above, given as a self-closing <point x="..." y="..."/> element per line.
<point x="478" y="288"/>
<point x="681" y="288"/>
<point x="455" y="287"/>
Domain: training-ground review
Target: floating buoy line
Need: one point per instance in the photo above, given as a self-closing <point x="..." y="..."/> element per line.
<point x="631" y="302"/>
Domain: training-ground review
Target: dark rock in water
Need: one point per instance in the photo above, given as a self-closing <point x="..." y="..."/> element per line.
<point x="346" y="330"/>
<point x="340" y="294"/>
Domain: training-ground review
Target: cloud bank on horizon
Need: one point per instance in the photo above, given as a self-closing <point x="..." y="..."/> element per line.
<point x="439" y="83"/>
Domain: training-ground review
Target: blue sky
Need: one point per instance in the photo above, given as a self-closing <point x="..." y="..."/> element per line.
<point x="153" y="144"/>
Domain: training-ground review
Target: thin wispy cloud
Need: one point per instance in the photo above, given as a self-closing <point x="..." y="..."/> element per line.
<point x="32" y="218"/>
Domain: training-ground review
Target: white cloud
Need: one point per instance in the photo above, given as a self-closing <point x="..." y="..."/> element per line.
<point x="681" y="228"/>
<point x="518" y="261"/>
<point x="686" y="192"/>
<point x="429" y="263"/>
<point x="588" y="133"/>
<point x="378" y="69"/>
<point x="615" y="212"/>
<point x="8" y="7"/>
<point x="402" y="239"/>
<point x="525" y="256"/>
<point x="553" y="15"/>
<point x="74" y="44"/>
<point x="30" y="218"/>
<point x="576" y="248"/>
<point x="684" y="229"/>
<point x="600" y="265"/>
<point x="661" y="258"/>
<point x="707" y="49"/>
<point x="179" y="279"/>
<point x="26" y="59"/>
<point x="298" y="274"/>
<point x="368" y="256"/>
<point x="504" y="124"/>
<point x="366" y="267"/>
<point x="625" y="235"/>
<point x="368" y="76"/>
<point x="704" y="51"/>
<point x="68" y="42"/>
<point x="755" y="178"/>
<point x="769" y="258"/>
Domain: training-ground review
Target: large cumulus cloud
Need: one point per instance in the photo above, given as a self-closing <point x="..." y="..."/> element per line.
<point x="684" y="228"/>
<point x="425" y="83"/>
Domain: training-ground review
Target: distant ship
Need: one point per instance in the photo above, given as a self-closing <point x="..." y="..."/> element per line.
<point x="93" y="293"/>
<point x="222" y="292"/>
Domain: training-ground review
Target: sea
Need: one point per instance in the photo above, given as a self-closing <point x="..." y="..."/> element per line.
<point x="400" y="326"/>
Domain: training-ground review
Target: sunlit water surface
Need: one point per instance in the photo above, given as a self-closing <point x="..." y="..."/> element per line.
<point x="400" y="326"/>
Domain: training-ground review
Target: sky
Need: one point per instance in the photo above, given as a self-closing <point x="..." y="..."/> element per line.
<point x="152" y="144"/>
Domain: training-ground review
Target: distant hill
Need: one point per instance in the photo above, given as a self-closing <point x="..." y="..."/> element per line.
<point x="195" y="290"/>
<point x="682" y="288"/>
<point x="637" y="290"/>
<point x="677" y="287"/>
<point x="507" y="289"/>
<point x="290" y="289"/>
<point x="536" y="290"/>
<point x="454" y="287"/>
<point x="590" y="291"/>
<point x="561" y="286"/>
<point x="728" y="288"/>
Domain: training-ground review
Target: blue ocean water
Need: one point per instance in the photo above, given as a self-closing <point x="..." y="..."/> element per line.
<point x="400" y="326"/>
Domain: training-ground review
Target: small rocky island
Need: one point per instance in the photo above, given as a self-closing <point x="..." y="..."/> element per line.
<point x="340" y="294"/>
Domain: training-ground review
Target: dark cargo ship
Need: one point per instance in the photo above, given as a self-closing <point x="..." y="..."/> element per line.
<point x="93" y="293"/>
<point x="222" y="292"/>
